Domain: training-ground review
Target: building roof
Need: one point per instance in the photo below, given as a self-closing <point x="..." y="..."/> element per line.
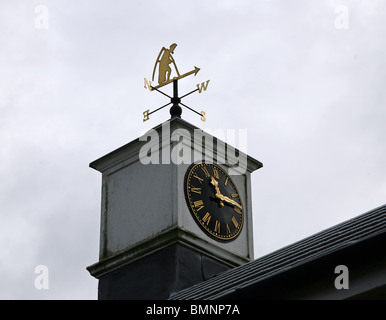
<point x="346" y="234"/>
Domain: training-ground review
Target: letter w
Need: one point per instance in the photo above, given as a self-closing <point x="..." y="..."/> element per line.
<point x="203" y="86"/>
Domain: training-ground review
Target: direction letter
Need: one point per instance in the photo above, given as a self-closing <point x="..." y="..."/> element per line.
<point x="203" y="86"/>
<point x="147" y="85"/>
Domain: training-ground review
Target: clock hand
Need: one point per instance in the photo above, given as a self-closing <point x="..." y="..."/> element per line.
<point x="220" y="196"/>
<point x="226" y="199"/>
<point x="215" y="184"/>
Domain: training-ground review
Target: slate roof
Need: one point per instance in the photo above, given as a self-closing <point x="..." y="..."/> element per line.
<point x="340" y="236"/>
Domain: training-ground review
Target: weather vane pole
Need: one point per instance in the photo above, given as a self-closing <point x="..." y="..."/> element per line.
<point x="163" y="62"/>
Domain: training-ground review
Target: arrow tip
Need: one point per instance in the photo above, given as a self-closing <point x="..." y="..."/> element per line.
<point x="196" y="70"/>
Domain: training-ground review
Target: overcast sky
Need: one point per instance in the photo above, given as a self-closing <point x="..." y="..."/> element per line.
<point x="305" y="78"/>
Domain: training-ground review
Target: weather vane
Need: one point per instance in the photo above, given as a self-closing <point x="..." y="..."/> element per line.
<point x="163" y="62"/>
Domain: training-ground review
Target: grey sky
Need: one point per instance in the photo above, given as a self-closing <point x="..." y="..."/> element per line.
<point x="310" y="95"/>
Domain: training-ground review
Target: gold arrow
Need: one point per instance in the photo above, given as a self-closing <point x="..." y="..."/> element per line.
<point x="195" y="71"/>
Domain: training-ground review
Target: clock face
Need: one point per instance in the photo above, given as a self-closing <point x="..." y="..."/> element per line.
<point x="214" y="201"/>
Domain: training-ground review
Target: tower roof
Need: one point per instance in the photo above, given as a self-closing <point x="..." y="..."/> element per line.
<point x="133" y="147"/>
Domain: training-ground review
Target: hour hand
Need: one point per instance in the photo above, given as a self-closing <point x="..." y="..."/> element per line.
<point x="218" y="194"/>
<point x="215" y="184"/>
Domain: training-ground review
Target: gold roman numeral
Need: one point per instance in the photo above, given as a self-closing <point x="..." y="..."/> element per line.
<point x="215" y="173"/>
<point x="217" y="227"/>
<point x="198" y="204"/>
<point x="197" y="177"/>
<point x="226" y="181"/>
<point x="196" y="190"/>
<point x="205" y="171"/>
<point x="228" y="230"/>
<point x="206" y="218"/>
<point x="235" y="223"/>
<point x="237" y="210"/>
<point x="234" y="195"/>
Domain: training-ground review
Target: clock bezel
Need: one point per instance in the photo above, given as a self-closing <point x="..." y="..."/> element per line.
<point x="208" y="231"/>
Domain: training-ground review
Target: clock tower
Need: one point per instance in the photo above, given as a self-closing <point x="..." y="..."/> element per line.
<point x="176" y="208"/>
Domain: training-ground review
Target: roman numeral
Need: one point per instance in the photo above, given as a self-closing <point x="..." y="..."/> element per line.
<point x="196" y="190"/>
<point x="203" y="86"/>
<point x="215" y="173"/>
<point x="199" y="179"/>
<point x="206" y="218"/>
<point x="237" y="210"/>
<point x="235" y="223"/>
<point x="226" y="181"/>
<point x="217" y="227"/>
<point x="205" y="171"/>
<point x="198" y="204"/>
<point x="234" y="195"/>
<point x="228" y="230"/>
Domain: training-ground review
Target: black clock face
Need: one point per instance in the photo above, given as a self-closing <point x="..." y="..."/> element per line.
<point x="214" y="201"/>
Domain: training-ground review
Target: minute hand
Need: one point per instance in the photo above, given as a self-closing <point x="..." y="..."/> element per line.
<point x="226" y="199"/>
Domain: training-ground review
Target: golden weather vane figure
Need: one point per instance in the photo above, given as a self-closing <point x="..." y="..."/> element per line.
<point x="164" y="59"/>
<point x="163" y="62"/>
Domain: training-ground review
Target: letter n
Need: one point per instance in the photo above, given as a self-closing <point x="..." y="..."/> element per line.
<point x="148" y="85"/>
